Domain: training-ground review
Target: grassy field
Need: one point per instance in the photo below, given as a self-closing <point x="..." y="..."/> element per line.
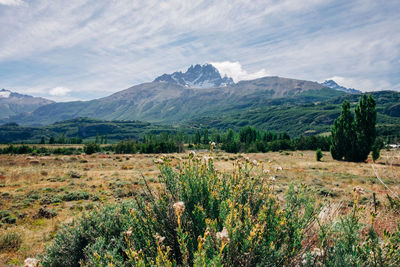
<point x="39" y="193"/>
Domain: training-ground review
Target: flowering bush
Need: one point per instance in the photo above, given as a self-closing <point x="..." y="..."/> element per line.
<point x="203" y="217"/>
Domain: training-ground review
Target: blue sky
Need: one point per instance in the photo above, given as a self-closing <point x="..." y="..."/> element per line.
<point x="67" y="50"/>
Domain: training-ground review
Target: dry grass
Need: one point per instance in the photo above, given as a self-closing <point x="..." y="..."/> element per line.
<point x="29" y="183"/>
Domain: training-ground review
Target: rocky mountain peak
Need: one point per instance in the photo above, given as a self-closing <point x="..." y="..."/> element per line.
<point x="332" y="84"/>
<point x="4" y="93"/>
<point x="197" y="76"/>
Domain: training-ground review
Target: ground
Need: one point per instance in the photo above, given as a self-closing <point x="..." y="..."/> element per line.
<point x="39" y="193"/>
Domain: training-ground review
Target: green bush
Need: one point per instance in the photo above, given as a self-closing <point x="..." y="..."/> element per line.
<point x="90" y="148"/>
<point x="212" y="207"/>
<point x="318" y="154"/>
<point x="75" y="195"/>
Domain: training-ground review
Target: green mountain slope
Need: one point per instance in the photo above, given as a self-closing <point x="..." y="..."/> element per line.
<point x="312" y="118"/>
<point x="171" y="103"/>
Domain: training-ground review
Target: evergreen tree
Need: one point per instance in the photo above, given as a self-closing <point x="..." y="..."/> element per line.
<point x="206" y="140"/>
<point x="52" y="140"/>
<point x="353" y="138"/>
<point x="197" y="138"/>
<point x="42" y="140"/>
<point x="364" y="125"/>
<point x="340" y="130"/>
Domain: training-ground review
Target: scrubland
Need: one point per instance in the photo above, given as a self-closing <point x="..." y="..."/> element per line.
<point x="38" y="194"/>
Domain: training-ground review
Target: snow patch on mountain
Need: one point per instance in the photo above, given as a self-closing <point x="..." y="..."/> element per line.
<point x="198" y="76"/>
<point x="332" y="84"/>
<point x="4" y="93"/>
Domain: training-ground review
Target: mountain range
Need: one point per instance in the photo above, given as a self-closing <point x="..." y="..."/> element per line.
<point x="12" y="103"/>
<point x="171" y="98"/>
<point x="201" y="97"/>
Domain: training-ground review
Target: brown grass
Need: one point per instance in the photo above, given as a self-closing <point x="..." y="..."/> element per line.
<point x="108" y="178"/>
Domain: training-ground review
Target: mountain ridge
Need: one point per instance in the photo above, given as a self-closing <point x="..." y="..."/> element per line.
<point x="198" y="76"/>
<point x="12" y="103"/>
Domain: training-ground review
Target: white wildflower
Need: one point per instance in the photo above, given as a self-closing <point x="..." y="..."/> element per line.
<point x="128" y="233"/>
<point x="358" y="190"/>
<point x="31" y="262"/>
<point x="159" y="238"/>
<point x="223" y="235"/>
<point x="179" y="207"/>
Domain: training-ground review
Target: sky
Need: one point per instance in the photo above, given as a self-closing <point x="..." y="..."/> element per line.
<point x="70" y="50"/>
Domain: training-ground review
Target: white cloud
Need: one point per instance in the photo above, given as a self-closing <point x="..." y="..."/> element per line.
<point x="12" y="2"/>
<point x="59" y="91"/>
<point x="236" y="72"/>
<point x="105" y="46"/>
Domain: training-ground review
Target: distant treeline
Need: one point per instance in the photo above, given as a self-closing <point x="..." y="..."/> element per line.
<point x="248" y="139"/>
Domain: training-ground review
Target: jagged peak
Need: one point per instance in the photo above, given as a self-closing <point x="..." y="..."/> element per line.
<point x="334" y="85"/>
<point x="197" y="76"/>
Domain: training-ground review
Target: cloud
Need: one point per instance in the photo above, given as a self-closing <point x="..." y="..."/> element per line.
<point x="59" y="91"/>
<point x="12" y="2"/>
<point x="97" y="47"/>
<point x="236" y="72"/>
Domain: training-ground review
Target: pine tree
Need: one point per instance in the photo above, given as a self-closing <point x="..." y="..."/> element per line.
<point x="342" y="133"/>
<point x="206" y="140"/>
<point x="352" y="139"/>
<point x="364" y="125"/>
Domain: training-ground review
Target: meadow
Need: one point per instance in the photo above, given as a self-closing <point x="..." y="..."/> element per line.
<point x="38" y="194"/>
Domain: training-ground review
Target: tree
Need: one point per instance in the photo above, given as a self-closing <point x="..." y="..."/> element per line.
<point x="248" y="135"/>
<point x="364" y="125"/>
<point x="341" y="132"/>
<point x="51" y="140"/>
<point x="197" y="138"/>
<point x="206" y="140"/>
<point x="42" y="141"/>
<point x="353" y="138"/>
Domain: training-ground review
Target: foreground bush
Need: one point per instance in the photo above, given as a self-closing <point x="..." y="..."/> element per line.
<point x="202" y="217"/>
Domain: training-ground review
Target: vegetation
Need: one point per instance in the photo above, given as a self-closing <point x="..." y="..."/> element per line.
<point x="301" y="115"/>
<point x="318" y="154"/>
<point x="202" y="217"/>
<point x="353" y="138"/>
<point x="10" y="241"/>
<point x="91" y="148"/>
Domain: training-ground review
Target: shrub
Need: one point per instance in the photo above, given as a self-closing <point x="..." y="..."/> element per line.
<point x="10" y="241"/>
<point x="219" y="218"/>
<point x="91" y="148"/>
<point x="75" y="195"/>
<point x="319" y="154"/>
<point x="202" y="217"/>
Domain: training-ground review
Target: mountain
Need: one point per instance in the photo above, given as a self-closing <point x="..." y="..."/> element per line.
<point x="332" y="84"/>
<point x="198" y="76"/>
<point x="13" y="103"/>
<point x="280" y="115"/>
<point x="170" y="102"/>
